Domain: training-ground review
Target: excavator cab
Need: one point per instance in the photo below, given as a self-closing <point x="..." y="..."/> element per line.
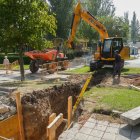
<point x="110" y="45"/>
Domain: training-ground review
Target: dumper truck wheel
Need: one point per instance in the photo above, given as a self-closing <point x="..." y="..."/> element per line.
<point x="33" y="66"/>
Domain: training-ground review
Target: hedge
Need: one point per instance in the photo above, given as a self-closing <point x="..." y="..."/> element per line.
<point x="14" y="57"/>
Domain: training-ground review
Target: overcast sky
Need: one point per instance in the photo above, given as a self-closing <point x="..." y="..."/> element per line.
<point x="127" y="5"/>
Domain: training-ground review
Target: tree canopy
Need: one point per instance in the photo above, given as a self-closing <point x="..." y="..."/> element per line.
<point x="25" y="23"/>
<point x="63" y="10"/>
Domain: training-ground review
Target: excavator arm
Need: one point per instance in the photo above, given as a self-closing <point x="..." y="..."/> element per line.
<point x="79" y="14"/>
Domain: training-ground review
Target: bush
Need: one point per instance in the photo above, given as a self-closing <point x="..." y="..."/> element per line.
<point x="70" y="56"/>
<point x="13" y="57"/>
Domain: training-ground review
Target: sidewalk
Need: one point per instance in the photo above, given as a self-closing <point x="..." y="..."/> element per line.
<point x="101" y="130"/>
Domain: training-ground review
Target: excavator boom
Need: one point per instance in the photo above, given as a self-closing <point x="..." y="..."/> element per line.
<point x="79" y="14"/>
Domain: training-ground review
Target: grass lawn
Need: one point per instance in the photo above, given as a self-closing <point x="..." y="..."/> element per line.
<point x="108" y="98"/>
<point x="26" y="67"/>
<point x="82" y="70"/>
<point x="86" y="69"/>
<point x="128" y="70"/>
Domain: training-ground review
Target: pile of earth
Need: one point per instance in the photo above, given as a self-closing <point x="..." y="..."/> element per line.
<point x="78" y="78"/>
<point x="39" y="105"/>
<point x="107" y="80"/>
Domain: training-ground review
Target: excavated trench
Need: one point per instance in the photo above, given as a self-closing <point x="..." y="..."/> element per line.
<point x="38" y="106"/>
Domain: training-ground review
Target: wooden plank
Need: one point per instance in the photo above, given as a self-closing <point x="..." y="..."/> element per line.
<point x="69" y="110"/>
<point x="51" y="119"/>
<point x="9" y="128"/>
<point x="54" y="125"/>
<point x="132" y="117"/>
<point x="20" y="117"/>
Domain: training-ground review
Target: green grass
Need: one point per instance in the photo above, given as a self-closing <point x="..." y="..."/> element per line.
<point x="108" y="98"/>
<point x="82" y="70"/>
<point x="26" y="67"/>
<point x="86" y="69"/>
<point x="128" y="70"/>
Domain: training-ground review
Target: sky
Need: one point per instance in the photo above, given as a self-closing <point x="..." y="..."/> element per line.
<point x="127" y="5"/>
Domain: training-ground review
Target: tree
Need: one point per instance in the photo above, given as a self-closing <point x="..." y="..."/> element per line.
<point x="25" y="23"/>
<point x="63" y="10"/>
<point x="101" y="9"/>
<point x="134" y="28"/>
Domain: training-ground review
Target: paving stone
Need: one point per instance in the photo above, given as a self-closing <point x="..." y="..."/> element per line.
<point x="112" y="130"/>
<point x="100" y="127"/>
<point x="64" y="134"/>
<point x="125" y="132"/>
<point x="116" y="125"/>
<point x="135" y="135"/>
<point x="103" y="122"/>
<point x="109" y="136"/>
<point x="89" y="125"/>
<point x="120" y="137"/>
<point x="76" y="125"/>
<point x="73" y="131"/>
<point x="85" y="130"/>
<point x="132" y="117"/>
<point x="92" y="120"/>
<point x="70" y="136"/>
<point x="93" y="138"/>
<point x="81" y="136"/>
<point x="97" y="133"/>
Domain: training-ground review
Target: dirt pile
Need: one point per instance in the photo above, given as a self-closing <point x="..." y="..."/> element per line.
<point x="78" y="78"/>
<point x="107" y="80"/>
<point x="38" y="105"/>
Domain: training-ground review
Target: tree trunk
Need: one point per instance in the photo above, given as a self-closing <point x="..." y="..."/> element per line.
<point x="21" y="62"/>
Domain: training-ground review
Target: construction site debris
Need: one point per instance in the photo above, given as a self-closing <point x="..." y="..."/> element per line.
<point x="3" y="108"/>
<point x="7" y="107"/>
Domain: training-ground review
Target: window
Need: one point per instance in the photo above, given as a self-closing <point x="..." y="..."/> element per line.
<point x="107" y="45"/>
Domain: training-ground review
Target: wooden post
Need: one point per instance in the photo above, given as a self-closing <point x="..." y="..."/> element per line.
<point x="53" y="126"/>
<point x="51" y="119"/>
<point x="20" y="117"/>
<point x="69" y="110"/>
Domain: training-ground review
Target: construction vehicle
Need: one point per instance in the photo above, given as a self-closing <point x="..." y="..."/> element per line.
<point x="107" y="46"/>
<point x="54" y="58"/>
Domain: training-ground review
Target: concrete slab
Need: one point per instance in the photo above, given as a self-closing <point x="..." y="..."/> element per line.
<point x="107" y="131"/>
<point x="112" y="130"/>
<point x="89" y="125"/>
<point x="93" y="138"/>
<point x="109" y="136"/>
<point x="100" y="127"/>
<point x="81" y="136"/>
<point x="85" y="130"/>
<point x="97" y="133"/>
<point x="132" y="117"/>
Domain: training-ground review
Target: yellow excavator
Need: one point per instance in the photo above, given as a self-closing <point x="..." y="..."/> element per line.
<point x="108" y="45"/>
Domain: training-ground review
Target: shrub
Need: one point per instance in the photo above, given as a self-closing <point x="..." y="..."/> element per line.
<point x="13" y="57"/>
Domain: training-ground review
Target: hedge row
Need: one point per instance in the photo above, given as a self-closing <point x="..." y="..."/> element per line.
<point x="15" y="57"/>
